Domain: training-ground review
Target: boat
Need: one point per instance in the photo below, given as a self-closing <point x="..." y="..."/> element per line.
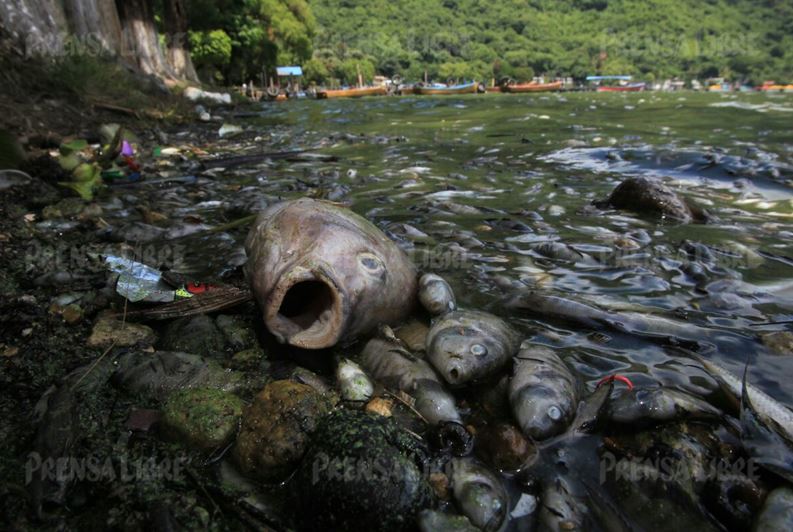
<point x="438" y="89"/>
<point x="354" y="92"/>
<point x="630" y="87"/>
<point x="533" y="87"/>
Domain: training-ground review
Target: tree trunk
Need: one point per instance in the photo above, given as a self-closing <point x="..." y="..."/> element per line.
<point x="178" y="53"/>
<point x="95" y="24"/>
<point x="38" y="27"/>
<point x="140" y="42"/>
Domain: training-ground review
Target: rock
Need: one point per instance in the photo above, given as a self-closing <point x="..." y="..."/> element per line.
<point x="11" y="152"/>
<point x="156" y="375"/>
<point x="381" y="406"/>
<point x="780" y="342"/>
<point x="194" y="94"/>
<point x="502" y="445"/>
<point x="107" y="331"/>
<point x="648" y="196"/>
<point x="362" y="471"/>
<point x="249" y="359"/>
<point x="198" y="335"/>
<point x="275" y="429"/>
<point x="201" y="418"/>
<point x="238" y="331"/>
<point x="66" y="208"/>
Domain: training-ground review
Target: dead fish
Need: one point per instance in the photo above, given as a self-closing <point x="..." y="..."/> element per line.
<point x="155" y="375"/>
<point x="479" y="493"/>
<point x="656" y="404"/>
<point x="322" y="274"/>
<point x="648" y="196"/>
<point x="777" y="512"/>
<point x="414" y="335"/>
<point x="354" y="384"/>
<point x="435" y="521"/>
<point x="389" y="362"/>
<point x="543" y="393"/>
<point x="770" y="410"/>
<point x="435" y="294"/>
<point x="560" y="509"/>
<point x="562" y="252"/>
<point x="467" y="345"/>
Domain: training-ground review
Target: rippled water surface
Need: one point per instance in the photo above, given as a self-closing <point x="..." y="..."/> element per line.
<point x="480" y="179"/>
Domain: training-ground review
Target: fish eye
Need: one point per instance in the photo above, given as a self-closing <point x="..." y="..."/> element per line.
<point x="370" y="262"/>
<point x="554" y="413"/>
<point x="478" y="350"/>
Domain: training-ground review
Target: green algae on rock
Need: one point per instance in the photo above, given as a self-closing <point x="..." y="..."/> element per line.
<point x="362" y="471"/>
<point x="201" y="418"/>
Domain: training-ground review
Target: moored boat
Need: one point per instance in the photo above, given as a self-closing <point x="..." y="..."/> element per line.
<point x="355" y="92"/>
<point x="533" y="87"/>
<point x="630" y="87"/>
<point x="439" y="89"/>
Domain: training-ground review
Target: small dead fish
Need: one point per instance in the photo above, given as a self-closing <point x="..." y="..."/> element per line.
<point x="648" y="405"/>
<point x="562" y="252"/>
<point x="479" y="494"/>
<point x="469" y="345"/>
<point x="436" y="295"/>
<point x="543" y="393"/>
<point x="387" y="361"/>
<point x="354" y="384"/>
<point x="560" y="509"/>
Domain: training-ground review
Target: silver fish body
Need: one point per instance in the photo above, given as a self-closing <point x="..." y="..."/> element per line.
<point x="777" y="512"/>
<point x="466" y="346"/>
<point x="395" y="367"/>
<point x="658" y="405"/>
<point x="560" y="509"/>
<point x="435" y="294"/>
<point x="479" y="493"/>
<point x="543" y="393"/>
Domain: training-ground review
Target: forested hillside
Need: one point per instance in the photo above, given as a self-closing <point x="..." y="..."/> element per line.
<point x="653" y="39"/>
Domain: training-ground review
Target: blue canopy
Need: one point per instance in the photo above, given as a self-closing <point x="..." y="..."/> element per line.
<point x="289" y="71"/>
<point x="603" y="78"/>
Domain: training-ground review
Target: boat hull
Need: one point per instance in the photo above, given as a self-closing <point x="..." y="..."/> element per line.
<point x="468" y="88"/>
<point x="352" y="93"/>
<point x="629" y="88"/>
<point x="533" y="87"/>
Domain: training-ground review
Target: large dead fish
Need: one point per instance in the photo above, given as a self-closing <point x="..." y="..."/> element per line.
<point x="322" y="274"/>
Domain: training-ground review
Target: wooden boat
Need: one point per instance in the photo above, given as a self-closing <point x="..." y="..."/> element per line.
<point x="497" y="88"/>
<point x="533" y="87"/>
<point x="438" y="90"/>
<point x="631" y="87"/>
<point x="355" y="92"/>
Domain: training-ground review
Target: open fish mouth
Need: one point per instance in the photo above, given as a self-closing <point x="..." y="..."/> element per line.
<point x="305" y="309"/>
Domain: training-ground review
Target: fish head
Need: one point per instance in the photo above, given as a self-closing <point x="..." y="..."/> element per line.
<point x="484" y="506"/>
<point x="322" y="274"/>
<point x="464" y="353"/>
<point x="543" y="415"/>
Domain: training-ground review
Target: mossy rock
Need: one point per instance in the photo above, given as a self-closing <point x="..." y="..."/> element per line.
<point x="276" y="428"/>
<point x="198" y="335"/>
<point x="201" y="418"/>
<point x="362" y="471"/>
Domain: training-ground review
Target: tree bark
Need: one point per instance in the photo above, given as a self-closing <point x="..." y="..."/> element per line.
<point x="178" y="46"/>
<point x="140" y="42"/>
<point x="95" y="24"/>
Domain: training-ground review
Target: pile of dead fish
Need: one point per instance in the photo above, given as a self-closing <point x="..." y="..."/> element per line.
<point x="500" y="433"/>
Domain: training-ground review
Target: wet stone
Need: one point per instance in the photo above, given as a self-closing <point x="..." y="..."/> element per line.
<point x="276" y="427"/>
<point x="108" y="331"/>
<point x="238" y="331"/>
<point x="198" y="335"/>
<point x="201" y="418"/>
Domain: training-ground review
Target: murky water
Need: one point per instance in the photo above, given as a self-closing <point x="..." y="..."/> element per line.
<point x="486" y="177"/>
